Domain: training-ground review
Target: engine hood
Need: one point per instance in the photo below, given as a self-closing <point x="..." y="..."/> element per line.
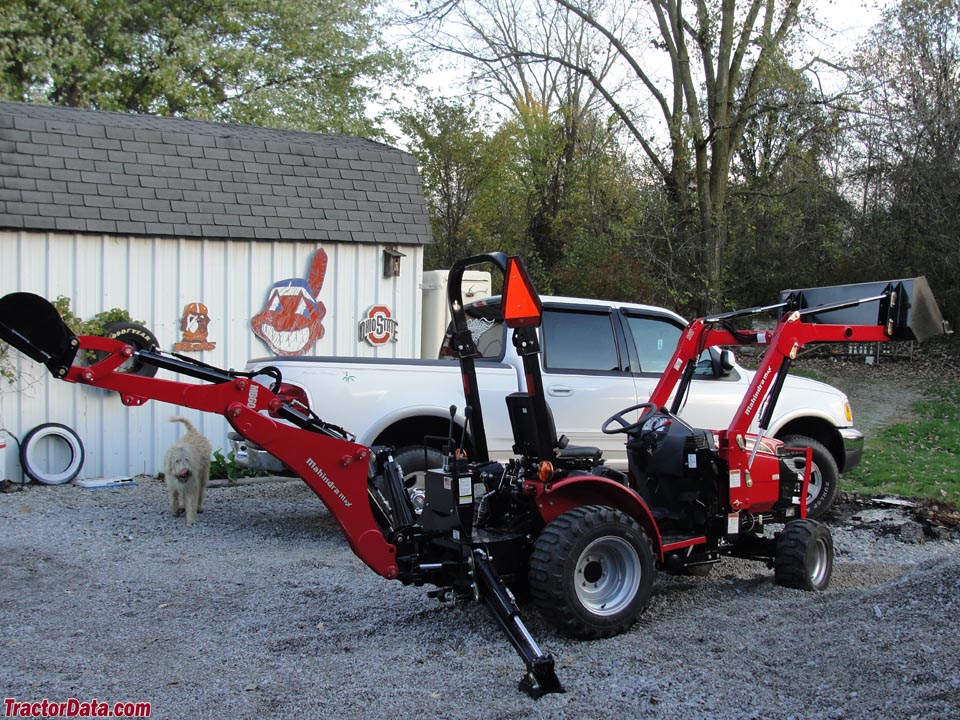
<point x="801" y="392"/>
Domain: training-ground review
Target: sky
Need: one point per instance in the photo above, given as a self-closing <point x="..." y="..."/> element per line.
<point x="846" y="22"/>
<point x="843" y="23"/>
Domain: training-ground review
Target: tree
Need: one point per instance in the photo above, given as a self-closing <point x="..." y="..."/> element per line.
<point x="786" y="212"/>
<point x="303" y="64"/>
<point x="909" y="135"/>
<point x="715" y="64"/>
<point x="547" y="105"/>
<point x="464" y="169"/>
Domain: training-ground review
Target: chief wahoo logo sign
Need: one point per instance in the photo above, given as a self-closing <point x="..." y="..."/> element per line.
<point x="291" y="321"/>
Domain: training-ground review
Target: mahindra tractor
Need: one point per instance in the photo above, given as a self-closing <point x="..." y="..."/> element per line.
<point x="583" y="541"/>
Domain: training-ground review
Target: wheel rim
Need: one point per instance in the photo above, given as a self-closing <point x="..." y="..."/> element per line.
<point x="607" y="575"/>
<point x="414" y="483"/>
<point x="818" y="562"/>
<point x="815" y="486"/>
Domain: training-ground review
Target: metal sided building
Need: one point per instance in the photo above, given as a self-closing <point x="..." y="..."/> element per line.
<point x="227" y="242"/>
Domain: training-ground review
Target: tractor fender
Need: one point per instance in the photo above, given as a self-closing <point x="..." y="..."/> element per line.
<point x="572" y="492"/>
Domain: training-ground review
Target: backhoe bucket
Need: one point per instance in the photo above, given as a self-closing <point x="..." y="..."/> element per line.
<point x="34" y="327"/>
<point x="906" y="307"/>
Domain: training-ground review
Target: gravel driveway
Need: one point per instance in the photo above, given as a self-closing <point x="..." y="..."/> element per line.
<point x="259" y="610"/>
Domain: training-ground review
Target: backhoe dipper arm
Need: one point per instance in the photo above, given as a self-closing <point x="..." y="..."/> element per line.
<point x="334" y="468"/>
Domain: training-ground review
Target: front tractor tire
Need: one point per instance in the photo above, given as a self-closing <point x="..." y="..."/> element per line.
<point x="591" y="572"/>
<point x="804" y="556"/>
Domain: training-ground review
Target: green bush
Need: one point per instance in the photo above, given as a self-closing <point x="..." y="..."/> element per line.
<point x="95" y="325"/>
<point x="226" y="467"/>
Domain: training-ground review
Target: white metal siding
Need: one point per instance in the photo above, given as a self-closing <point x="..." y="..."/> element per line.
<point x="154" y="279"/>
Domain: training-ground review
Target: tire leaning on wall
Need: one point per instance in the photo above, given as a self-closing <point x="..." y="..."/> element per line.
<point x="140" y="338"/>
<point x="30" y="453"/>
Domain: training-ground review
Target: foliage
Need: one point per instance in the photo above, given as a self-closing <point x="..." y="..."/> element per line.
<point x="301" y="64"/>
<point x="555" y="188"/>
<point x="786" y="214"/>
<point x="574" y="58"/>
<point x="920" y="457"/>
<point x="226" y="467"/>
<point x="7" y="370"/>
<point x="463" y="167"/>
<point x="95" y="325"/>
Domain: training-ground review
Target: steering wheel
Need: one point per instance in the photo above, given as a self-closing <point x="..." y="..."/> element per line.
<point x="625" y="427"/>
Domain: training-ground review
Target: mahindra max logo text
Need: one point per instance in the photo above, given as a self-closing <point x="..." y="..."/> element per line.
<point x="378" y="326"/>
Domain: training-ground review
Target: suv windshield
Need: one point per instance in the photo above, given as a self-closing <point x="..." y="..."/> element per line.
<point x="485" y="322"/>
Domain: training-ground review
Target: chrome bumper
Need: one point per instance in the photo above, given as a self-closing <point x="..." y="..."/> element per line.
<point x="852" y="448"/>
<point x="255" y="457"/>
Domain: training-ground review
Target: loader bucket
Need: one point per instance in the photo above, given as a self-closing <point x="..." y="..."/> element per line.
<point x="34" y="327"/>
<point x="907" y="307"/>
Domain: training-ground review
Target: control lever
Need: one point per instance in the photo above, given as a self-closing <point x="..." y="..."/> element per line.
<point x="450" y="452"/>
<point x="467" y="414"/>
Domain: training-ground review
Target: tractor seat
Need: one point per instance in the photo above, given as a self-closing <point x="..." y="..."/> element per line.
<point x="567" y="453"/>
<point x="527" y="436"/>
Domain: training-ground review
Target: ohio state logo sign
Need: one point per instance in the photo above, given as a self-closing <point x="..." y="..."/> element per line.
<point x="378" y="327"/>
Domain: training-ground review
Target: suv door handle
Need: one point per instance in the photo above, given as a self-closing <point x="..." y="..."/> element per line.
<point x="560" y="390"/>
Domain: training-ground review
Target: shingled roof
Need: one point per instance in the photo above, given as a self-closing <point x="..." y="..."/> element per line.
<point x="105" y="172"/>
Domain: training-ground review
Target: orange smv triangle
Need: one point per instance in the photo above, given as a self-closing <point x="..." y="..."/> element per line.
<point x="521" y="303"/>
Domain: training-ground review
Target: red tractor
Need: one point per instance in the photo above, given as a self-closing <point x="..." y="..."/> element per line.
<point x="584" y="540"/>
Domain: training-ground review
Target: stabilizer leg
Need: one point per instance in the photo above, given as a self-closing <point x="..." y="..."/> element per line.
<point x="540" y="678"/>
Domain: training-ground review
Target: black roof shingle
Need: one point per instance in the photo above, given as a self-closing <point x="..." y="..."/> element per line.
<point x="106" y="172"/>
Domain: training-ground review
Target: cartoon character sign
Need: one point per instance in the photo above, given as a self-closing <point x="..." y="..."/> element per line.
<point x="193" y="324"/>
<point x="291" y="321"/>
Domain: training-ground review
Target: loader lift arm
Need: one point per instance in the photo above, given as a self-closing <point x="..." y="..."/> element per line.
<point x="869" y="312"/>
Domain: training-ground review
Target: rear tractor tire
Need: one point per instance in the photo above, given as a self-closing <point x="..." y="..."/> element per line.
<point x="591" y="572"/>
<point x="804" y="556"/>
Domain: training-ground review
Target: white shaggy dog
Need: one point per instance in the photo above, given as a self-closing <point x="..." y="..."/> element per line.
<point x="187" y="470"/>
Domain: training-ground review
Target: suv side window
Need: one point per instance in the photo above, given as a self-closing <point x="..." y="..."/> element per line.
<point x="656" y="339"/>
<point x="578" y="340"/>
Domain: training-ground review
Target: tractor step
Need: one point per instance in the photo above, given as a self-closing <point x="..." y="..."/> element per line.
<point x="674" y="542"/>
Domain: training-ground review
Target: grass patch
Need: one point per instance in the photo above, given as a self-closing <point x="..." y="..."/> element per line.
<point x="919" y="458"/>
